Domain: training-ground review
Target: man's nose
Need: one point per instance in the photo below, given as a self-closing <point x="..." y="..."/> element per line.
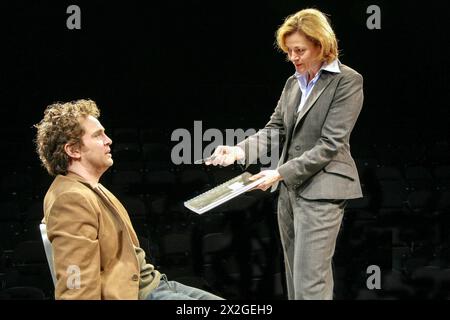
<point x="108" y="141"/>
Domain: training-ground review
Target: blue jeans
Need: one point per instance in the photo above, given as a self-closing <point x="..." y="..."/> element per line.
<point x="173" y="290"/>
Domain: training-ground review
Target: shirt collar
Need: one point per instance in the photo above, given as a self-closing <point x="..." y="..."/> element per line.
<point x="333" y="66"/>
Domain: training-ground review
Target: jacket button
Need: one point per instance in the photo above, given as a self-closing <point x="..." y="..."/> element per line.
<point x="297" y="148"/>
<point x="135" y="277"/>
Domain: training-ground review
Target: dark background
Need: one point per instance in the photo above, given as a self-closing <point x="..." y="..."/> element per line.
<point x="156" y="66"/>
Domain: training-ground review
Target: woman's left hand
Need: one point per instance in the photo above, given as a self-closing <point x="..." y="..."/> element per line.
<point x="272" y="176"/>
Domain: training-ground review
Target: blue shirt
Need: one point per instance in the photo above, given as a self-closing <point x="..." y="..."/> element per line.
<point x="306" y="88"/>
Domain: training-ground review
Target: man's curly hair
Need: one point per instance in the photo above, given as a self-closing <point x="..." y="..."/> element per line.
<point x="61" y="125"/>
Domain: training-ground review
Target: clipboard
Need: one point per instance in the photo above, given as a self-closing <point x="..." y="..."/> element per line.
<point x="222" y="193"/>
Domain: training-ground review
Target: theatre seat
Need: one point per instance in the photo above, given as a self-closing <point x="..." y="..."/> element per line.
<point x="48" y="250"/>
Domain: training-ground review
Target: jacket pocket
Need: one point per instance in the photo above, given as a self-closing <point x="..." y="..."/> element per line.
<point x="341" y="168"/>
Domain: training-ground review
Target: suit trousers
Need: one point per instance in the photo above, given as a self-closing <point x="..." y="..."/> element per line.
<point x="308" y="231"/>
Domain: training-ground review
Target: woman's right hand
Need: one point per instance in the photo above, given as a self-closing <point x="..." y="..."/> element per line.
<point x="225" y="155"/>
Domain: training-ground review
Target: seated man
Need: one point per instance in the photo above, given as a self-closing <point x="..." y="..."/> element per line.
<point x="95" y="248"/>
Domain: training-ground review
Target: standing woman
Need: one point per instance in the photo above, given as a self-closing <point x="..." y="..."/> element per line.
<point x="316" y="174"/>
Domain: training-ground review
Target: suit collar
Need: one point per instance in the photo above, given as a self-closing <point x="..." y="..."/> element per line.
<point x="99" y="189"/>
<point x="316" y="92"/>
<point x="76" y="177"/>
<point x="115" y="207"/>
<point x="109" y="200"/>
<point x="333" y="67"/>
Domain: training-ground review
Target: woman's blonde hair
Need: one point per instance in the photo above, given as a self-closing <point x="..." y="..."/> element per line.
<point x="61" y="125"/>
<point x="316" y="27"/>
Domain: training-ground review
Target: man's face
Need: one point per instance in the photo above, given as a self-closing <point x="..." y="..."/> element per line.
<point x="95" y="151"/>
<point x="302" y="52"/>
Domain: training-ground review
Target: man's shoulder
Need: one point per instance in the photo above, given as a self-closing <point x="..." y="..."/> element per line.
<point x="67" y="192"/>
<point x="68" y="186"/>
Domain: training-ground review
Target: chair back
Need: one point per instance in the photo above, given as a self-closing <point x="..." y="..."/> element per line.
<point x="48" y="250"/>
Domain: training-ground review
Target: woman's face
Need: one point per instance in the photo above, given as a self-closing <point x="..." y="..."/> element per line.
<point x="303" y="53"/>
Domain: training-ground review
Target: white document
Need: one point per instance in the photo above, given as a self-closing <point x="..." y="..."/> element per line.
<point x="222" y="193"/>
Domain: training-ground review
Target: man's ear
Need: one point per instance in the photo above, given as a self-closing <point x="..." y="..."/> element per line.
<point x="72" y="150"/>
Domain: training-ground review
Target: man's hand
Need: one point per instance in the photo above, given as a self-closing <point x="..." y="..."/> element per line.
<point x="272" y="176"/>
<point x="225" y="155"/>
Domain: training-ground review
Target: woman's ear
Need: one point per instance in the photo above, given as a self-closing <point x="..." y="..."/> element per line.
<point x="72" y="150"/>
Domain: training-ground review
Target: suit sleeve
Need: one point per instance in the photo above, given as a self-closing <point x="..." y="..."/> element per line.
<point x="339" y="123"/>
<point x="72" y="228"/>
<point x="256" y="146"/>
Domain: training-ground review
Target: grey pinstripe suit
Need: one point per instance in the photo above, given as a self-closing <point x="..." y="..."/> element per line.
<point x="319" y="175"/>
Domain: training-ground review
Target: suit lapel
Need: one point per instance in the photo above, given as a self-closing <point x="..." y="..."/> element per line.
<point x="103" y="193"/>
<point x="108" y="200"/>
<point x="292" y="105"/>
<point x="293" y="100"/>
<point x="319" y="88"/>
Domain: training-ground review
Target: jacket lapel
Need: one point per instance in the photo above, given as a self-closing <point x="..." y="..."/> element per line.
<point x="111" y="203"/>
<point x="103" y="193"/>
<point x="292" y="105"/>
<point x="319" y="88"/>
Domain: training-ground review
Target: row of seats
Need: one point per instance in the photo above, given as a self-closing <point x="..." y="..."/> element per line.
<point x="401" y="224"/>
<point x="155" y="212"/>
<point x="235" y="256"/>
<point x="149" y="145"/>
<point x="34" y="182"/>
<point x="200" y="249"/>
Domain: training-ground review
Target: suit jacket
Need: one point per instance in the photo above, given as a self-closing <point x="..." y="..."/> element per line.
<point x="315" y="161"/>
<point x="91" y="233"/>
